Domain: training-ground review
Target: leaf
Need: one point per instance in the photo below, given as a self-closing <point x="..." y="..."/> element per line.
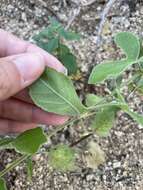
<point x="67" y="58"/>
<point x="104" y="120"/>
<point x="54" y="92"/>
<point x="137" y="117"/>
<point x="54" y="23"/>
<point x="95" y="156"/>
<point x="6" y="143"/>
<point x="129" y="43"/>
<point x="108" y="70"/>
<point x="68" y="35"/>
<point x="92" y="99"/>
<point x="48" y="33"/>
<point x="62" y="158"/>
<point x="29" y="141"/>
<point x="29" y="166"/>
<point x="49" y="46"/>
<point x="52" y="45"/>
<point x="2" y="184"/>
<point x="131" y="46"/>
<point x="63" y="49"/>
<point x="69" y="61"/>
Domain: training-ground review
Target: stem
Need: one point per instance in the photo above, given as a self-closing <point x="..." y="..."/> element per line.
<point x="59" y="128"/>
<point x="81" y="139"/>
<point x="83" y="116"/>
<point x="13" y="165"/>
<point x="106" y="105"/>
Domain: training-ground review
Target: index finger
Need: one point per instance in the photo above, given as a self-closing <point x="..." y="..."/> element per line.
<point x="10" y="45"/>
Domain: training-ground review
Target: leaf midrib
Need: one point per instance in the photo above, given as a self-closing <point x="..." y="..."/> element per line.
<point x="62" y="97"/>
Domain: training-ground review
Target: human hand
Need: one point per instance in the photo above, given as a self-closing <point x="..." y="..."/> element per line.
<point x="21" y="63"/>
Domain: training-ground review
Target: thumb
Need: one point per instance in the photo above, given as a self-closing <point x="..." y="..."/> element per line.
<point x="19" y="71"/>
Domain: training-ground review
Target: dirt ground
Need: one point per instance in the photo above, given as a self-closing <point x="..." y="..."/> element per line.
<point x="123" y="169"/>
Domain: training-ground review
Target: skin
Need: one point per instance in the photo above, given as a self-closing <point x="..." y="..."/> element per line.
<point x="17" y="111"/>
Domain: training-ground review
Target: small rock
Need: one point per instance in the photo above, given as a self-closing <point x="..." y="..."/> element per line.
<point x="117" y="165"/>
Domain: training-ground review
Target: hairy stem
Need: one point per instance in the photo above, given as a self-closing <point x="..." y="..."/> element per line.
<point x="81" y="139"/>
<point x="13" y="165"/>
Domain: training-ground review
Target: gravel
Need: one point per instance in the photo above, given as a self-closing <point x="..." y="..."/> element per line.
<point x="123" y="169"/>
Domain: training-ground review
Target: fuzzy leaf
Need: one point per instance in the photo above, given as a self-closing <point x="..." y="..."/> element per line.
<point x="62" y="158"/>
<point x="136" y="117"/>
<point x="129" y="43"/>
<point x="54" y="92"/>
<point x="2" y="184"/>
<point x="94" y="156"/>
<point x="92" y="99"/>
<point x="69" y="61"/>
<point x="49" y="46"/>
<point x="108" y="70"/>
<point x="29" y="141"/>
<point x="63" y="49"/>
<point x="104" y="121"/>
<point x="6" y="143"/>
<point x="131" y="47"/>
<point x="52" y="45"/>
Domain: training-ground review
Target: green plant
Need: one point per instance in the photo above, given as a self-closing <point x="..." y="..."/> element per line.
<point x="52" y="39"/>
<point x="54" y="92"/>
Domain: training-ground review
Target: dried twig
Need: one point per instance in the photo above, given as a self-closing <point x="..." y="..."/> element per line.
<point x="88" y="3"/>
<point x="103" y="18"/>
<point x="73" y="16"/>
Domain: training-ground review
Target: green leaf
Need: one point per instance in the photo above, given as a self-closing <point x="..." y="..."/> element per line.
<point x="29" y="166"/>
<point x="62" y="158"/>
<point x="67" y="58"/>
<point x="69" y="61"/>
<point x="136" y="117"/>
<point x="6" y="143"/>
<point x="129" y="43"/>
<point x="92" y="99"/>
<point x="2" y="184"/>
<point x="63" y="49"/>
<point x="68" y="35"/>
<point x="54" y="92"/>
<point x="104" y="120"/>
<point x="54" y="23"/>
<point x="48" y="33"/>
<point x="29" y="141"/>
<point x="49" y="46"/>
<point x="131" y="46"/>
<point x="108" y="70"/>
<point x="52" y="45"/>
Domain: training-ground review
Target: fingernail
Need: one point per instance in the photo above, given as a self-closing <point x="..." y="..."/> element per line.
<point x="30" y="66"/>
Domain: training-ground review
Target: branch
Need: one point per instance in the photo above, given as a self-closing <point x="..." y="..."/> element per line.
<point x="88" y="3"/>
<point x="103" y="19"/>
<point x="73" y="17"/>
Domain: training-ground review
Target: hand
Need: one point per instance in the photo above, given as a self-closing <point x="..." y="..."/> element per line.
<point x="21" y="63"/>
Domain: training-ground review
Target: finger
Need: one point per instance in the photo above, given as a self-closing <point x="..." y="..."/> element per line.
<point x="19" y="71"/>
<point x="24" y="96"/>
<point x="10" y="45"/>
<point x="12" y="127"/>
<point x="24" y="112"/>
